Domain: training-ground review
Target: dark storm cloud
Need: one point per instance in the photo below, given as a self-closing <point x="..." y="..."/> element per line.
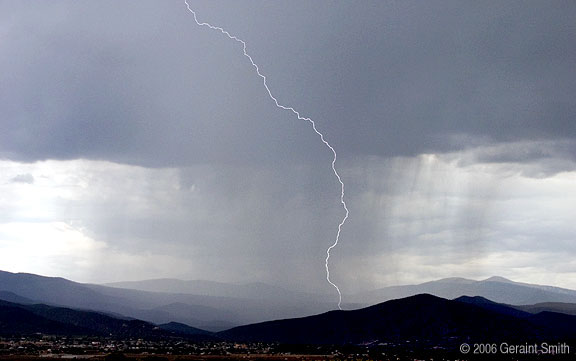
<point x="135" y="83"/>
<point x="140" y="83"/>
<point x="416" y="75"/>
<point x="408" y="77"/>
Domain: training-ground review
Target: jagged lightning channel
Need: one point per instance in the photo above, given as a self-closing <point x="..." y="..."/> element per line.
<point x="334" y="158"/>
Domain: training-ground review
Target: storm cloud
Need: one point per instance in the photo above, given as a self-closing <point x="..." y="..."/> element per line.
<point x="152" y="140"/>
<point x="116" y="81"/>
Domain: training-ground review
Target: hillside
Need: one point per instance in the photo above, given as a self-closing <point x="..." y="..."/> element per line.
<point x="421" y="318"/>
<point x="212" y="312"/>
<point x="18" y="319"/>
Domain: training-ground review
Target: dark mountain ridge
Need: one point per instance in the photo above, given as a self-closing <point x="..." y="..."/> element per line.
<point x="39" y="318"/>
<point x="422" y="318"/>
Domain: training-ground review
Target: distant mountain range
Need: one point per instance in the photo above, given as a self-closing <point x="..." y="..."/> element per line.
<point x="498" y="289"/>
<point x="218" y="306"/>
<point x="494" y="288"/>
<point x="255" y="290"/>
<point x="253" y="303"/>
<point x="421" y="320"/>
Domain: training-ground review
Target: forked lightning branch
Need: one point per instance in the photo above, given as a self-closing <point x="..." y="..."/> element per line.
<point x="300" y="117"/>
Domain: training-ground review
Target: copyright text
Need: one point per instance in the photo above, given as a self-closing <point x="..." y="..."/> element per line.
<point x="505" y="348"/>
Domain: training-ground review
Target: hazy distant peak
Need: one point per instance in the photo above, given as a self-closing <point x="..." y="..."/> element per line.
<point x="496" y="288"/>
<point x="453" y="280"/>
<point x="498" y="279"/>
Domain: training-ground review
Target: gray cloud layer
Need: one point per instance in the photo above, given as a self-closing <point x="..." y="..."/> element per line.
<point x="138" y="82"/>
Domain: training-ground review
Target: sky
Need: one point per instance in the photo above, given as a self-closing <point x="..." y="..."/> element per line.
<point x="135" y="144"/>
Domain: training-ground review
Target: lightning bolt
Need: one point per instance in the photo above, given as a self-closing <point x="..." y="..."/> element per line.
<point x="300" y="117"/>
